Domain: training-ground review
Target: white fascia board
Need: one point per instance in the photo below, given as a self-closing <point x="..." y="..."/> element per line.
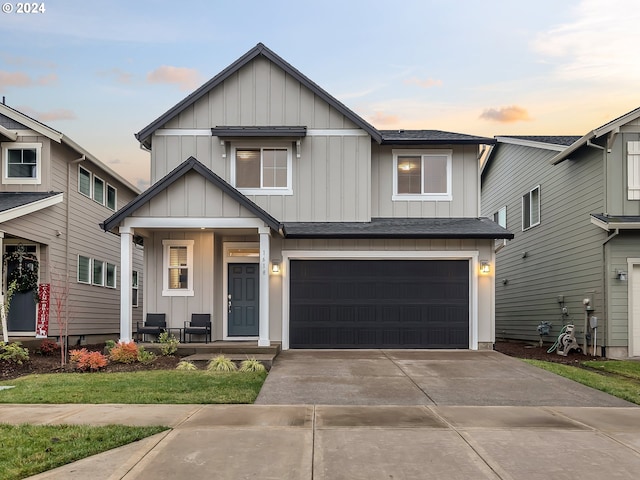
<point x="31" y="123"/>
<point x="30" y="208"/>
<point x="10" y="134"/>
<point x="617" y="123"/>
<point x="530" y="143"/>
<point x="615" y="225"/>
<point x="563" y="155"/>
<point x="172" y="132"/>
<point x="93" y="159"/>
<point x="192" y="222"/>
<point x="336" y="132"/>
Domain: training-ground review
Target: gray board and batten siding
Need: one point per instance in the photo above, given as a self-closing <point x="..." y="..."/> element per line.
<point x="563" y="255"/>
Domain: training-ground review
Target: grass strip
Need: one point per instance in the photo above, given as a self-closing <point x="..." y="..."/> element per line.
<point x="27" y="450"/>
<point x="621" y="387"/>
<point x="628" y="369"/>
<point x="150" y="387"/>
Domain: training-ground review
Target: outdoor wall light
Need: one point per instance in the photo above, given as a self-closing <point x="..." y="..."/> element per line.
<point x="621" y="275"/>
<point x="485" y="267"/>
<point x="275" y="266"/>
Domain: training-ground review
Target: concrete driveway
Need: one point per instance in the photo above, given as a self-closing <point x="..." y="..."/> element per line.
<point x="419" y="377"/>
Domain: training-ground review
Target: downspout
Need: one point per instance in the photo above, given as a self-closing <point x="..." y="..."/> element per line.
<point x="605" y="289"/>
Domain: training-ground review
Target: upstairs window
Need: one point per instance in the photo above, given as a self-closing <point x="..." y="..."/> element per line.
<point x="21" y="163"/>
<point x="531" y="208"/>
<point x="111" y="197"/>
<point x="261" y="170"/>
<point x="84" y="269"/>
<point x="98" y="190"/>
<point x="84" y="181"/>
<point x="633" y="170"/>
<point x="422" y="175"/>
<point x="111" y="275"/>
<point x="500" y="217"/>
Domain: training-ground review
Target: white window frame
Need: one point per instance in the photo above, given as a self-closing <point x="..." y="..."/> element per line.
<point x="115" y="197"/>
<point x="423" y="154"/>
<point x="174" y="292"/>
<point x="90" y="194"/>
<point x="531" y="222"/>
<point x="104" y="189"/>
<point x="633" y="170"/>
<point x="6" y="146"/>
<point x="134" y="288"/>
<point x="90" y="271"/>
<point x="288" y="190"/>
<point x="500" y="217"/>
<point x="106" y="275"/>
<point x="100" y="282"/>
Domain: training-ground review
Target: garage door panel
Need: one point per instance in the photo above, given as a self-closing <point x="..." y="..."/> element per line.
<point x="379" y="304"/>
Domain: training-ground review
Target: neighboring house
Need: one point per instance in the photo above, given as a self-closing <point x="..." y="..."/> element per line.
<point x="289" y="218"/>
<point x="574" y="205"/>
<point x="53" y="196"/>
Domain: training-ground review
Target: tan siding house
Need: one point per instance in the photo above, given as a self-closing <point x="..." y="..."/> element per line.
<point x="53" y="196"/>
<point x="288" y="218"/>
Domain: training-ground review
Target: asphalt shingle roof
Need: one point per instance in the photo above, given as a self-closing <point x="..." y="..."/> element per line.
<point x="431" y="137"/>
<point x="10" y="200"/>
<point x="564" y="140"/>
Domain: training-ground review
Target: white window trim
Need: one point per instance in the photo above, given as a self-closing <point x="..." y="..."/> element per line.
<point x="500" y="210"/>
<point x="134" y="286"/>
<point x="6" y="146"/>
<point x="104" y="190"/>
<point x="183" y="292"/>
<point x="90" y="195"/>
<point x="447" y="196"/>
<point x="90" y="270"/>
<point x="106" y="197"/>
<point x="93" y="265"/>
<point x="531" y="224"/>
<point x="288" y="190"/>
<point x="106" y="275"/>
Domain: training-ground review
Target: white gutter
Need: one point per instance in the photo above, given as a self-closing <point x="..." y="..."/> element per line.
<point x="30" y="208"/>
<point x="11" y="135"/>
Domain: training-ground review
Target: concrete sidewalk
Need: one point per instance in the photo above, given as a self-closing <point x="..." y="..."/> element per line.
<point x="354" y="442"/>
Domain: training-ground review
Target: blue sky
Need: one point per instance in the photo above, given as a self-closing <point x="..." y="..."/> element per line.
<point x="101" y="71"/>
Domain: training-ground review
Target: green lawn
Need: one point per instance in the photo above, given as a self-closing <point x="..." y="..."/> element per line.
<point x="619" y="378"/>
<point x="159" y="386"/>
<point x="27" y="450"/>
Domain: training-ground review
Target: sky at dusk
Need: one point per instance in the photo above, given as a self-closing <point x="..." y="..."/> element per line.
<point x="100" y="71"/>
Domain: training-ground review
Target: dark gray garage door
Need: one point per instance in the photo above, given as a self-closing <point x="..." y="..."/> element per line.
<point x="379" y="304"/>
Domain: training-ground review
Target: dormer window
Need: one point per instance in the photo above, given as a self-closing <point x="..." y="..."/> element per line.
<point x="21" y="163"/>
<point x="262" y="169"/>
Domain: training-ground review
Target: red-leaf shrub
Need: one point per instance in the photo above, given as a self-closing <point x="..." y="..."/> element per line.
<point x="86" y="361"/>
<point x="124" y="352"/>
<point x="47" y="347"/>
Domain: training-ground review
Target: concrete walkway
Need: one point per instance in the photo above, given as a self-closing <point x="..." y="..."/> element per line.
<point x="373" y="415"/>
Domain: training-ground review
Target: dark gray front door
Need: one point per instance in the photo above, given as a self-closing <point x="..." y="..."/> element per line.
<point x="22" y="307"/>
<point x="243" y="300"/>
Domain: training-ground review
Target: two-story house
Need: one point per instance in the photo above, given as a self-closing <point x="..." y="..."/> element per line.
<point x="53" y="196"/>
<point x="574" y="205"/>
<point x="289" y="218"/>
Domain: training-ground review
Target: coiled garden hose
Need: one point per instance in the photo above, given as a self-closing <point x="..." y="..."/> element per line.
<point x="557" y="342"/>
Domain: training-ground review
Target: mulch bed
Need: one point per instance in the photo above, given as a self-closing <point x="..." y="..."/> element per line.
<point x="536" y="352"/>
<point x="38" y="363"/>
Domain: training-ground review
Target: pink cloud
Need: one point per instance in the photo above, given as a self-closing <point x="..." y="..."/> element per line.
<point x="382" y="120"/>
<point x="48" y="79"/>
<point x="14" y="79"/>
<point x="120" y="76"/>
<point x="426" y="83"/>
<point x="509" y="114"/>
<point x="50" y="116"/>
<point x="185" y="78"/>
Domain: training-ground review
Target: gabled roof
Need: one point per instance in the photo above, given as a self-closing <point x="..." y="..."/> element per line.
<point x="431" y="137"/>
<point x="18" y="204"/>
<point x="57" y="137"/>
<point x="399" y="228"/>
<point x="259" y="50"/>
<point x="190" y="164"/>
<point x="612" y="126"/>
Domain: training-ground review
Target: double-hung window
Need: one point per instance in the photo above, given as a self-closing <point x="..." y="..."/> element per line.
<point x="531" y="208"/>
<point x="111" y="197"/>
<point x="21" y="163"/>
<point x="262" y="169"/>
<point x="178" y="267"/>
<point x="84" y="269"/>
<point x="422" y="174"/>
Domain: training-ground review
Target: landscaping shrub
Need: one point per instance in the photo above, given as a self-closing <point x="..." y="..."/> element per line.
<point x="252" y="365"/>
<point x="13" y="352"/>
<point x="144" y="356"/>
<point x="108" y="345"/>
<point x="186" y="365"/>
<point x="86" y="361"/>
<point x="168" y="343"/>
<point x="221" y="364"/>
<point x="47" y="347"/>
<point x="124" y="352"/>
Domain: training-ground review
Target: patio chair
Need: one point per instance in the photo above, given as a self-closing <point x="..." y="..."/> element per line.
<point x="200" y="324"/>
<point x="155" y="324"/>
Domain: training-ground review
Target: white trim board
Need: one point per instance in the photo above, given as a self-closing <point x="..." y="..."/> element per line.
<point x="30" y="208"/>
<point x="471" y="255"/>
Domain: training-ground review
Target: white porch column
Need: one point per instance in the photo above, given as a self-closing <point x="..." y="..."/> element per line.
<point x="126" y="267"/>
<point x="265" y="254"/>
